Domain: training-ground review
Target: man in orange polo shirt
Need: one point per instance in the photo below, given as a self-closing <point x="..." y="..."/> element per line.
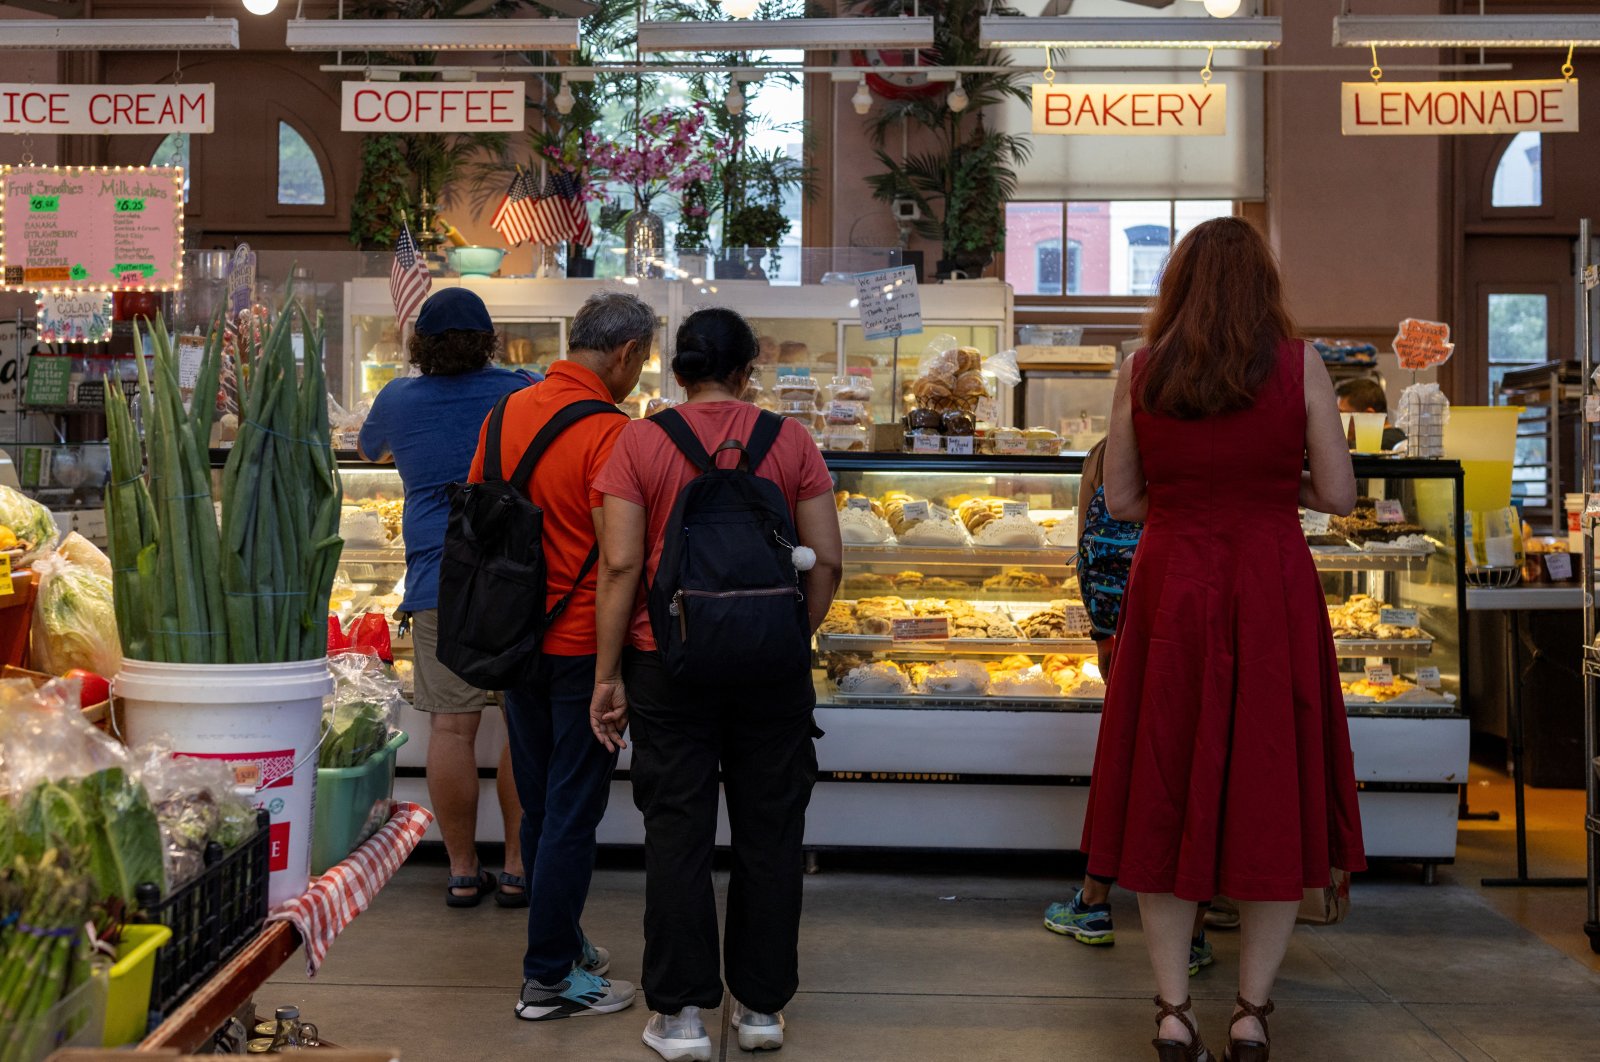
<point x="563" y="774"/>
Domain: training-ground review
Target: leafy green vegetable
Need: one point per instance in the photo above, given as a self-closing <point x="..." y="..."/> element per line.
<point x="359" y="730"/>
<point x="126" y="837"/>
<point x="32" y="522"/>
<point x="75" y="621"/>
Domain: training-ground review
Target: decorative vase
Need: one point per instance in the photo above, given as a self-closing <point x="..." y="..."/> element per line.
<point x="646" y="236"/>
<point x="756" y="255"/>
<point x="579" y="266"/>
<point x="731" y="266"/>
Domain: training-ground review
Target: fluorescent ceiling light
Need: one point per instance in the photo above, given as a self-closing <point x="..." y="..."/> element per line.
<point x="1466" y="31"/>
<point x="795" y="34"/>
<point x="432" y="35"/>
<point x="1068" y="31"/>
<point x="119" y="34"/>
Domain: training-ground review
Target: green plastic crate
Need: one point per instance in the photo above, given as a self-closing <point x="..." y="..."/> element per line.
<point x="352" y="803"/>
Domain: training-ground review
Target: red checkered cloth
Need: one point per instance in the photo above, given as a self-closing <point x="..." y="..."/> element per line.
<point x="333" y="900"/>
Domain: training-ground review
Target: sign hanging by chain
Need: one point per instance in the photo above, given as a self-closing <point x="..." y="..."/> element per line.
<point x="1130" y="110"/>
<point x="433" y="107"/>
<point x="80" y="228"/>
<point x="1435" y="108"/>
<point x="115" y="109"/>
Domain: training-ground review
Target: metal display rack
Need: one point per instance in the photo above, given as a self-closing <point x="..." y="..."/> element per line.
<point x="1588" y="279"/>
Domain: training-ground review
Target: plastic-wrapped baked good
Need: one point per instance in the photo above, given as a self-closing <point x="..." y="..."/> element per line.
<point x="795" y="389"/>
<point x="970" y="385"/>
<point x="846" y="438"/>
<point x="968" y="359"/>
<point x="1012" y="531"/>
<point x="860" y="527"/>
<point x="925" y="419"/>
<point x="959" y="422"/>
<point x="956" y="677"/>
<point x="844" y="412"/>
<point x="851" y="388"/>
<point x="881" y="677"/>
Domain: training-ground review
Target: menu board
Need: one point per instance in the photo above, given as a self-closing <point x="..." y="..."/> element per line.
<point x="87" y="228"/>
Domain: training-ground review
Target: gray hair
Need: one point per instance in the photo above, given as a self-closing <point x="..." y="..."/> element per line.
<point x="609" y="320"/>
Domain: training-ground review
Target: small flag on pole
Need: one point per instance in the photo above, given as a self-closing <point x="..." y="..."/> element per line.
<point x="566" y="187"/>
<point x="409" y="279"/>
<point x="513" y="220"/>
<point x="553" y="222"/>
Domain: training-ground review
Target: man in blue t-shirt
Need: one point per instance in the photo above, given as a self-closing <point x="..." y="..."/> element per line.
<point x="428" y="426"/>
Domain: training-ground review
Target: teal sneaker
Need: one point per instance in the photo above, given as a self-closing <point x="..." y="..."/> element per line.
<point x="595" y="960"/>
<point x="1199" y="954"/>
<point x="1086" y="923"/>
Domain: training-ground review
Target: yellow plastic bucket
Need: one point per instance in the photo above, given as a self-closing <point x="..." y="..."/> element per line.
<point x="128" y="999"/>
<point x="1484" y="440"/>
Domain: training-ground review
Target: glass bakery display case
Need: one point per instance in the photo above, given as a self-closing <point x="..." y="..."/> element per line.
<point x="960" y="691"/>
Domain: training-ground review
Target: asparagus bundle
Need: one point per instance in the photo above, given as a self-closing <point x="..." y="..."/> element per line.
<point x="257" y="590"/>
<point x="43" y="951"/>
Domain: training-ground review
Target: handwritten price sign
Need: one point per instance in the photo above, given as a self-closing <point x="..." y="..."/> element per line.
<point x="1422" y="344"/>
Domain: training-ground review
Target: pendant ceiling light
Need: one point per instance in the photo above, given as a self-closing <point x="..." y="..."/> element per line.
<point x="261" y="7"/>
<point x="796" y="34"/>
<point x="1067" y="31"/>
<point x="1467" y="31"/>
<point x="432" y="35"/>
<point x="120" y="34"/>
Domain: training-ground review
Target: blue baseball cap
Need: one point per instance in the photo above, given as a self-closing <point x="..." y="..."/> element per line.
<point x="453" y="309"/>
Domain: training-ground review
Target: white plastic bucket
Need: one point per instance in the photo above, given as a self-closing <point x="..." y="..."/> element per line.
<point x="262" y="720"/>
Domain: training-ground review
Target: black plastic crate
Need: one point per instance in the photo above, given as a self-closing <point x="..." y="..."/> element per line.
<point x="211" y="917"/>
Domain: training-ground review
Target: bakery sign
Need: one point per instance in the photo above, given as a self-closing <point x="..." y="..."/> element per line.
<point x="1435" y="108"/>
<point x="116" y="109"/>
<point x="1130" y="110"/>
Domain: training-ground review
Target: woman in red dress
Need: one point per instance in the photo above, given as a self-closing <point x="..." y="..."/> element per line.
<point x="1224" y="757"/>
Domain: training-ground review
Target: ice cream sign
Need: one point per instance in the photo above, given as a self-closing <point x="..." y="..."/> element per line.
<point x="1130" y="110"/>
<point x="124" y="109"/>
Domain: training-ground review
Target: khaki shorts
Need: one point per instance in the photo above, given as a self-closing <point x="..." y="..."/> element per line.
<point x="438" y="689"/>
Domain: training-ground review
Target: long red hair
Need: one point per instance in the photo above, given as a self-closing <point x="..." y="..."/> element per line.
<point x="1218" y="319"/>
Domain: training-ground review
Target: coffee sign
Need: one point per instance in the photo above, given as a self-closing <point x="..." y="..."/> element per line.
<point x="433" y="107"/>
<point x="1130" y="110"/>
<point x="1433" y="108"/>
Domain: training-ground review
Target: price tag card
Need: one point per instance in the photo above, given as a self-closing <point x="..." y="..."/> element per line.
<point x="939" y="512"/>
<point x="927" y="444"/>
<point x="1500" y="552"/>
<point x="1398" y="617"/>
<point x="1014" y="508"/>
<point x="1010" y="444"/>
<point x="958" y="444"/>
<point x="915" y="512"/>
<point x="859" y="503"/>
<point x="1078" y="625"/>
<point x="1591" y="409"/>
<point x="1559" y="565"/>
<point x="920" y="629"/>
<point x="1381" y="675"/>
<point x="6" y="589"/>
<point x="1389" y="512"/>
<point x="1428" y="678"/>
<point x="1314" y="523"/>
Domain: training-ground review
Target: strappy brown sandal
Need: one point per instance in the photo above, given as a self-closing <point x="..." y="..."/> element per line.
<point x="1176" y="1050"/>
<point x="1249" y="1050"/>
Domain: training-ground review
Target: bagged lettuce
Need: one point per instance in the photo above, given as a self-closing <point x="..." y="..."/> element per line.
<point x="74" y="620"/>
<point x="31" y="522"/>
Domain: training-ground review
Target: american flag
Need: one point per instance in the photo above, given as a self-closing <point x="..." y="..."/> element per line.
<point x="553" y="220"/>
<point x="567" y="188"/>
<point x="409" y="280"/>
<point x="513" y="220"/>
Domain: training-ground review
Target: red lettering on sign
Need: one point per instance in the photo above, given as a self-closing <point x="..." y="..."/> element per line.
<point x="498" y="106"/>
<point x="1176" y="110"/>
<point x="278" y="838"/>
<point x="1417" y="106"/>
<point x="1546" y="107"/>
<point x="356" y="106"/>
<point x="1499" y="108"/>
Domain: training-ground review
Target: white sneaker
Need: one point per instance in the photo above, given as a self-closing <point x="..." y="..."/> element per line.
<point x="757" y="1031"/>
<point x="679" y="1037"/>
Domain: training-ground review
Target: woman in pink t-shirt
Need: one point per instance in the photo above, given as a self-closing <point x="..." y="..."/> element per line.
<point x="757" y="729"/>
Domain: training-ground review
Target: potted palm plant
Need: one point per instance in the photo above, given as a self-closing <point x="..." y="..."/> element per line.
<point x="962" y="183"/>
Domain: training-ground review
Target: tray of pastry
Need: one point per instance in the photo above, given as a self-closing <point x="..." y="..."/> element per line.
<point x="1383" y="646"/>
<point x="883" y="643"/>
<point x="1349" y="559"/>
<point x="954" y="701"/>
<point x="1029" y="556"/>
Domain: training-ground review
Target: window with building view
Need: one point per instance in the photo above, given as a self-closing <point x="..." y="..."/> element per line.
<point x="1060" y="248"/>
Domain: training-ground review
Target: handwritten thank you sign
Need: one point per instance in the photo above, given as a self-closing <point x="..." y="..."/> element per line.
<point x="93" y="229"/>
<point x="1422" y="344"/>
<point x="889" y="302"/>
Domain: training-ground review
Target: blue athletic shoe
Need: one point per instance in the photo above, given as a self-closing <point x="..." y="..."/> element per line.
<point x="595" y="960"/>
<point x="1199" y="954"/>
<point x="581" y="993"/>
<point x="1087" y="923"/>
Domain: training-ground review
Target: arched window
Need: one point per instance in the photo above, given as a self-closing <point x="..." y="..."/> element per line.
<point x="1047" y="259"/>
<point x="174" y="151"/>
<point x="1518" y="176"/>
<point x="1147" y="253"/>
<point x="300" y="180"/>
<point x="1074" y="267"/>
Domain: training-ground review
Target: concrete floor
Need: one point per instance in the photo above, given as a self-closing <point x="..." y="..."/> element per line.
<point x="925" y="966"/>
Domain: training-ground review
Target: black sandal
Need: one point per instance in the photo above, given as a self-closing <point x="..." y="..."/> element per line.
<point x="482" y="883"/>
<point x="1177" y="1050"/>
<point x="512" y="899"/>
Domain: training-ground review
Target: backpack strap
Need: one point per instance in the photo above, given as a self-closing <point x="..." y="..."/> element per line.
<point x="491" y="442"/>
<point x="564" y="418"/>
<point x="762" y="436"/>
<point x="683" y="437"/>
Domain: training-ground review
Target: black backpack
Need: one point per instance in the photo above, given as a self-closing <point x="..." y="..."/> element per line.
<point x="492" y="574"/>
<point x="727" y="607"/>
